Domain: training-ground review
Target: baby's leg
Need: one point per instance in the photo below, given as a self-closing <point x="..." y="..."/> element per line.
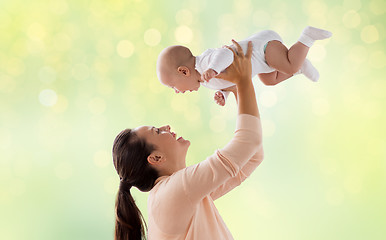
<point x="273" y="78"/>
<point x="290" y="61"/>
<point x="287" y="61"/>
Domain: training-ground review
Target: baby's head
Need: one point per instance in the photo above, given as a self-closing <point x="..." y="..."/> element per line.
<point x="175" y="69"/>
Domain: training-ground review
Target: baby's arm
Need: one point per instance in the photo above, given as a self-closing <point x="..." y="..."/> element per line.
<point x="219" y="60"/>
<point x="208" y="74"/>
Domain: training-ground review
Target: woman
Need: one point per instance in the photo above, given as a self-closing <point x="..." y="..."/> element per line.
<point x="180" y="204"/>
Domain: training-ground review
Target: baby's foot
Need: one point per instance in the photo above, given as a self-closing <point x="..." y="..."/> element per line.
<point x="309" y="71"/>
<point x="316" y="33"/>
<point x="311" y="34"/>
<point x="219" y="98"/>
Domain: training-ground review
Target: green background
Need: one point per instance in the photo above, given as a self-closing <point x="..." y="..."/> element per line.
<point x="74" y="73"/>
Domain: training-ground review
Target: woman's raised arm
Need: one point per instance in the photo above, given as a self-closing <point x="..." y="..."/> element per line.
<point x="202" y="179"/>
<point x="239" y="72"/>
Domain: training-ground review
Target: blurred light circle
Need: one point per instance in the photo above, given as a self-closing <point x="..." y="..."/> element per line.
<point x="183" y="34"/>
<point x="369" y="34"/>
<point x="125" y="48"/>
<point x="152" y="37"/>
<point x="351" y="19"/>
<point x="36" y="31"/>
<point x="48" y="97"/>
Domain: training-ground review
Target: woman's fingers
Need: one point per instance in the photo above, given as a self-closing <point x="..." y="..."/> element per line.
<point x="239" y="50"/>
<point x="220" y="75"/>
<point x="241" y="66"/>
<point x="234" y="53"/>
<point x="249" y="50"/>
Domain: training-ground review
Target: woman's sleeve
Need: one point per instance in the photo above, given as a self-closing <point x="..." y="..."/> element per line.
<point x="204" y="178"/>
<point x="245" y="172"/>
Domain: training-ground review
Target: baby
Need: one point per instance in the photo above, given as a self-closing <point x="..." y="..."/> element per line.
<point x="177" y="68"/>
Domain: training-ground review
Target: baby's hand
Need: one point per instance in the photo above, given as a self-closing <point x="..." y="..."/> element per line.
<point x="208" y="74"/>
<point x="219" y="98"/>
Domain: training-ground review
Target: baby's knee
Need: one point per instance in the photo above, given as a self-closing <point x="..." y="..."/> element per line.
<point x="292" y="70"/>
<point x="289" y="69"/>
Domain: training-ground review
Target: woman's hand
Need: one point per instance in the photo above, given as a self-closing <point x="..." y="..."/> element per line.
<point x="240" y="73"/>
<point x="241" y="68"/>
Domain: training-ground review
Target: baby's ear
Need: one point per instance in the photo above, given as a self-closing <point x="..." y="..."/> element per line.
<point x="184" y="70"/>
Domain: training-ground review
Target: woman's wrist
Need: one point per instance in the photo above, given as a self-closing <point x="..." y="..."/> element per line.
<point x="245" y="82"/>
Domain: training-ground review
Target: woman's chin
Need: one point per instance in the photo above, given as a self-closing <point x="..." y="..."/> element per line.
<point x="183" y="141"/>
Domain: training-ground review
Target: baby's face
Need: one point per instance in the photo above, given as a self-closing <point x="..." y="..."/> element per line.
<point x="181" y="84"/>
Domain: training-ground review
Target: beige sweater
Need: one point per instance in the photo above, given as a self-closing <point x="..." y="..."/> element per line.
<point x="181" y="206"/>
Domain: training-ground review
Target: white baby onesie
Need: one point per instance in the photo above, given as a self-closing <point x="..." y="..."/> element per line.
<point x="219" y="59"/>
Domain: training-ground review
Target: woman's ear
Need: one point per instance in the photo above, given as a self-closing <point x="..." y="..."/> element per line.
<point x="156" y="158"/>
<point x="184" y="70"/>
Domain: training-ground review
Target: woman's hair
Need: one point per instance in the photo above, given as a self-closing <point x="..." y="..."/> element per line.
<point x="130" y="160"/>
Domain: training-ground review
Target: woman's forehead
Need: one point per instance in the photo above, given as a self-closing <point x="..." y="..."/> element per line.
<point x="143" y="129"/>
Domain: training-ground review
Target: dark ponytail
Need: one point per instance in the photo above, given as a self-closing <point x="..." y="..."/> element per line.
<point x="130" y="160"/>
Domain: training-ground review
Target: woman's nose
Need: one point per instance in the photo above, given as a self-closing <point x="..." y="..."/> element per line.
<point x="166" y="128"/>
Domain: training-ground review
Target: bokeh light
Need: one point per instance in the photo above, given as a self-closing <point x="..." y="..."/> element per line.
<point x="125" y="48"/>
<point x="183" y="34"/>
<point x="48" y="97"/>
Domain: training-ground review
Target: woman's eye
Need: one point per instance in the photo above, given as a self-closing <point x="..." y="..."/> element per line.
<point x="158" y="130"/>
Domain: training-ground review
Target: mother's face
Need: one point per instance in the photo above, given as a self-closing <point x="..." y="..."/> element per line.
<point x="166" y="142"/>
